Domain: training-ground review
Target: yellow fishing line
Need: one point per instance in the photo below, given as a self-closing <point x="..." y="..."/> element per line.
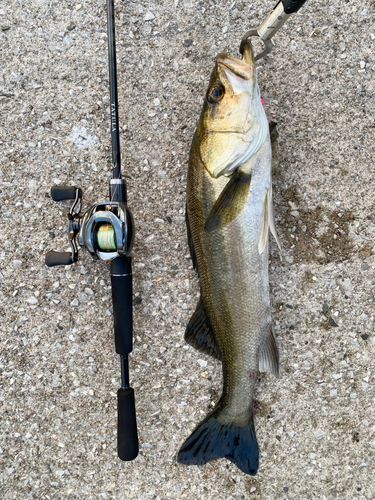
<point x="106" y="237"/>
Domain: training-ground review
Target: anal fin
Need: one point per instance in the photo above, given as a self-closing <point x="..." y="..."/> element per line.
<point x="199" y="333"/>
<point x="269" y="355"/>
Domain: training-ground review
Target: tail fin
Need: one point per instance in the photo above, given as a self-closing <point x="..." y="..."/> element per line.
<point x="212" y="440"/>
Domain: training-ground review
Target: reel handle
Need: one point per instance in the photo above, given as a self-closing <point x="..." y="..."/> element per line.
<point x="58" y="259"/>
<point x="127" y="436"/>
<point x="60" y="193"/>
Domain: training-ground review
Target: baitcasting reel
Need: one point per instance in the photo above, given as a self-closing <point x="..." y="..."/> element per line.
<point x="106" y="230"/>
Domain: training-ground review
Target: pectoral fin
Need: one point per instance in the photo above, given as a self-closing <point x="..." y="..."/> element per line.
<point x="199" y="333"/>
<point x="231" y="201"/>
<point x="269" y="355"/>
<point x="268" y="222"/>
<point x="272" y="219"/>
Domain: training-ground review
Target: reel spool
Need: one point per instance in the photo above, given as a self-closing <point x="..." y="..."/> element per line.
<point x="106" y="238"/>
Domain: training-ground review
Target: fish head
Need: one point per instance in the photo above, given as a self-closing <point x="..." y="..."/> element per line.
<point x="232" y="118"/>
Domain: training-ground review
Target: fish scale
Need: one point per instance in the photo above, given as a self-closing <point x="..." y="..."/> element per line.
<point x="234" y="282"/>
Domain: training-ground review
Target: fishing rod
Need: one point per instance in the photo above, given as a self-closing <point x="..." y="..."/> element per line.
<point x="106" y="230"/>
<point x="272" y="23"/>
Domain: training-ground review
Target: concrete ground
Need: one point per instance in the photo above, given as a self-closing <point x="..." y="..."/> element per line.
<point x="59" y="371"/>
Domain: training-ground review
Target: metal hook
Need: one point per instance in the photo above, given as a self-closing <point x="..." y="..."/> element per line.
<point x="267" y="43"/>
<point x="268" y="28"/>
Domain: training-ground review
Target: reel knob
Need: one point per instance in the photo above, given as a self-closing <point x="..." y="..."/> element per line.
<point x="58" y="259"/>
<point x="60" y="193"/>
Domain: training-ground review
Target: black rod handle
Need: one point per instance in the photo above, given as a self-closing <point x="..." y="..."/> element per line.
<point x="122" y="297"/>
<point x="58" y="259"/>
<point x="60" y="193"/>
<point x="127" y="436"/>
<point x="291" y="6"/>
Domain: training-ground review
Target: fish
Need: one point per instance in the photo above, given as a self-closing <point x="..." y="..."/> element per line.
<point x="229" y="213"/>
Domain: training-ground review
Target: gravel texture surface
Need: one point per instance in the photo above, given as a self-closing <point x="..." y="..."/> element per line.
<point x="58" y="369"/>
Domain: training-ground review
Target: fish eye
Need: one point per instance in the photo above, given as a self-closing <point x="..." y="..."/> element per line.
<point x="215" y="94"/>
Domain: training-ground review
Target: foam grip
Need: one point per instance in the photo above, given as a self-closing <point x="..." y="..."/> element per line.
<point x="291" y="6"/>
<point x="58" y="259"/>
<point x="122" y="292"/>
<point x="127" y="436"/>
<point x="60" y="193"/>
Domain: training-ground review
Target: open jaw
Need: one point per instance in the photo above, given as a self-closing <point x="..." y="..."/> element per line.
<point x="241" y="67"/>
<point x="239" y="74"/>
<point x="236" y="67"/>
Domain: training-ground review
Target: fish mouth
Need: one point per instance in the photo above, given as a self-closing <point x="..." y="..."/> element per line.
<point x="239" y="73"/>
<point x="242" y="68"/>
<point x="235" y="66"/>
